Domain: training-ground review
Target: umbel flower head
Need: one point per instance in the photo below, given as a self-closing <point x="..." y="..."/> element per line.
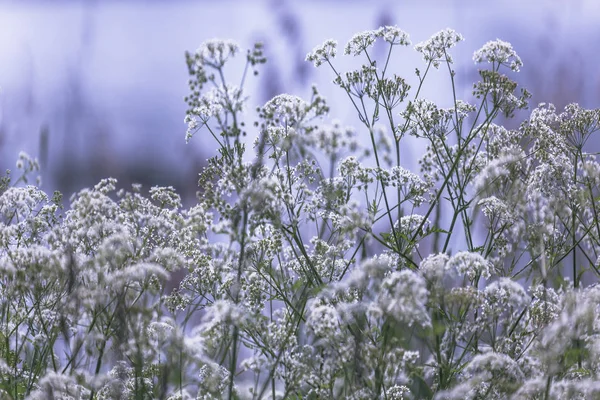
<point x="498" y="53"/>
<point x="435" y="49"/>
<point x="363" y="40"/>
<point x="323" y="53"/>
<point x="216" y="52"/>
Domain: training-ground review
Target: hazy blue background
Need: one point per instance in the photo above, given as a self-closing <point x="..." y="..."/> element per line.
<point x="104" y="81"/>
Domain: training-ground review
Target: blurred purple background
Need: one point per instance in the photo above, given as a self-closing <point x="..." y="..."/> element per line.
<point x="95" y="88"/>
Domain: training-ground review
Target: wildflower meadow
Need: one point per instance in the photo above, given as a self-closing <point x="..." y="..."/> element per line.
<point x="315" y="264"/>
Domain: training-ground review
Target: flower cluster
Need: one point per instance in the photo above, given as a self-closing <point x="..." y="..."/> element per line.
<point x="216" y="52"/>
<point x="435" y="49"/>
<point x="363" y="40"/>
<point x="323" y="53"/>
<point x="316" y="264"/>
<point x="498" y="53"/>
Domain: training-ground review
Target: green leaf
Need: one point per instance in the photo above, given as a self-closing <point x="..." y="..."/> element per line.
<point x="435" y="229"/>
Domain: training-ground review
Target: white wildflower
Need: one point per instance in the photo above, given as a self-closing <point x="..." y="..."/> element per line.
<point x="398" y="392"/>
<point x="216" y="52"/>
<point x="435" y="49"/>
<point x="360" y="42"/>
<point x="496" y="210"/>
<point x="409" y="224"/>
<point x="368" y="272"/>
<point x="27" y="163"/>
<point x="494" y="365"/>
<point x="500" y="53"/>
<point x="285" y="110"/>
<point x="165" y="196"/>
<point x="393" y="35"/>
<point x="323" y="53"/>
<point x="162" y="330"/>
<point x="506" y="293"/>
<point x="404" y="297"/>
<point x="471" y="265"/>
<point x="58" y="386"/>
<point x="136" y="273"/>
<point x="498" y="172"/>
<point x="223" y="312"/>
<point x="323" y="320"/>
<point x="434" y="267"/>
<point x="182" y="394"/>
